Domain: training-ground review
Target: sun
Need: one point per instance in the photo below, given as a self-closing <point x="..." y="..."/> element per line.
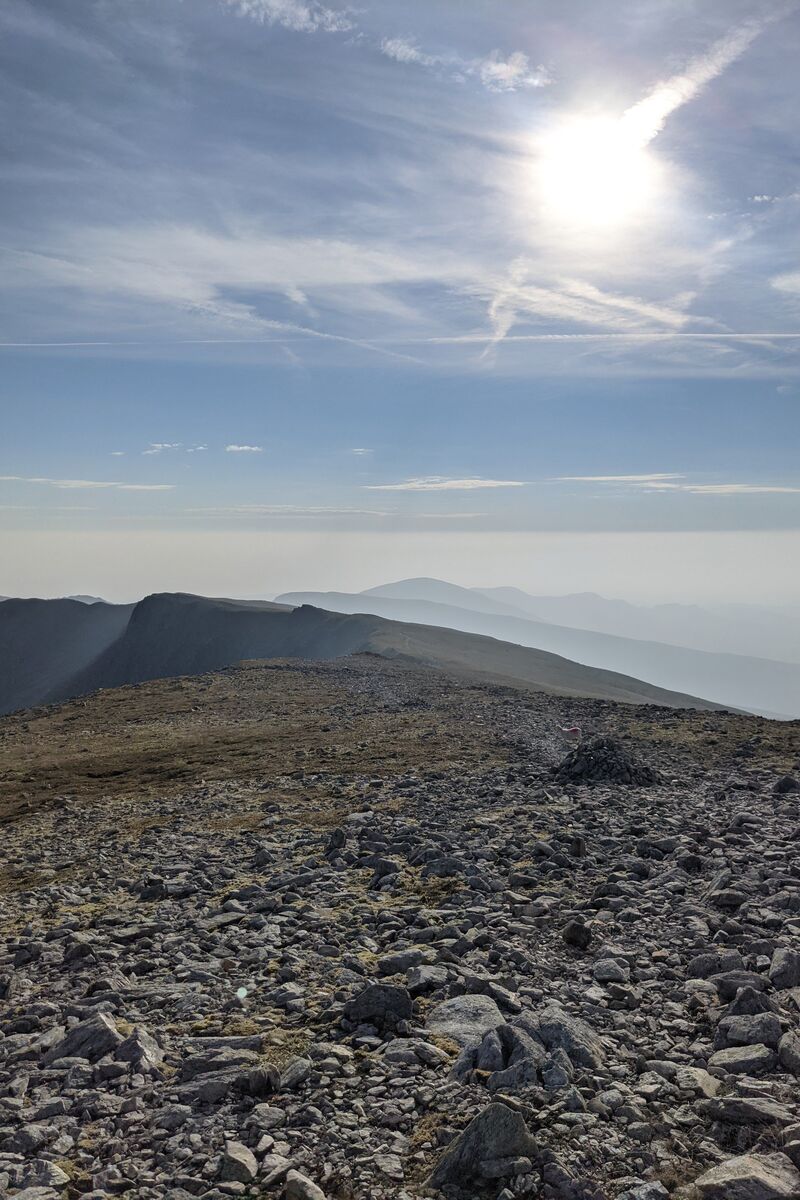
<point x="595" y="172"/>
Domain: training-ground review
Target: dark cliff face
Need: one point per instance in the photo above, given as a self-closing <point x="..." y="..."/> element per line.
<point x="176" y="634"/>
<point x="44" y="642"/>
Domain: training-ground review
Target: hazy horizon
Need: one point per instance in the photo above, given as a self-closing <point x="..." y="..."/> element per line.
<point x="641" y="568"/>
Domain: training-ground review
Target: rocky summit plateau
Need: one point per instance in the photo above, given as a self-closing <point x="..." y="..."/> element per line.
<point x="364" y="930"/>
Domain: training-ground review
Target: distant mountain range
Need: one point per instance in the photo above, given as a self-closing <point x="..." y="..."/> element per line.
<point x="762" y="685"/>
<point x="750" y="629"/>
<point x="51" y="650"/>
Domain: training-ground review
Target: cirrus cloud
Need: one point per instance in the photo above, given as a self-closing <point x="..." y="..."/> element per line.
<point x="87" y="483"/>
<point x="297" y="15"/>
<point x="439" y="483"/>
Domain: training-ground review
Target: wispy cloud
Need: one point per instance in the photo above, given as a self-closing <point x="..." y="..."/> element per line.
<point x="299" y="511"/>
<point x="193" y="271"/>
<point x="578" y="302"/>
<point x="405" y="50"/>
<point x="49" y="508"/>
<point x="501" y="74"/>
<point x="235" y="449"/>
<point x="497" y="73"/>
<point x="439" y="483"/>
<point x="729" y="489"/>
<point x="672" y="482"/>
<point x="160" y="447"/>
<point x="361" y="450"/>
<point x="617" y="478"/>
<point x="297" y="15"/>
<point x="291" y="510"/>
<point x="789" y="282"/>
<point x="88" y="483"/>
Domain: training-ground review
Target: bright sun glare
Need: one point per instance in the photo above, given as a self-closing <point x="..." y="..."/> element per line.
<point x="595" y="172"/>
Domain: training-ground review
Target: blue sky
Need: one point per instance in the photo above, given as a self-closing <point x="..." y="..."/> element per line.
<point x="278" y="266"/>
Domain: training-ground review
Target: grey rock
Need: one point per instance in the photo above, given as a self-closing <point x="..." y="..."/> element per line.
<point x="425" y="979"/>
<point x="728" y="983"/>
<point x="746" y="1110"/>
<point x="789" y="1052"/>
<point x="299" y="1187"/>
<point x="645" y="1191"/>
<point x="497" y="1133"/>
<point x="295" y="1074"/>
<point x="751" y="1177"/>
<point x="560" y="1030"/>
<point x="464" y="1019"/>
<point x="744" y="1060"/>
<point x="751" y="1030"/>
<point x="784" y="971"/>
<point x="37" y="1193"/>
<point x="608" y="970"/>
<point x="142" y="1050"/>
<point x="238" y="1164"/>
<point x="40" y="1172"/>
<point x="91" y="1039"/>
<point x="215" y="1062"/>
<point x="577" y="934"/>
<point x="380" y="1004"/>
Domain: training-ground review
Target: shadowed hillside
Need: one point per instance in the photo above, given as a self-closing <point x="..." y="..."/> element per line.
<point x="44" y="642"/>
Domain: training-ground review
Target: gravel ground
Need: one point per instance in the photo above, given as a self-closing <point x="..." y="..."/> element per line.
<point x="389" y="950"/>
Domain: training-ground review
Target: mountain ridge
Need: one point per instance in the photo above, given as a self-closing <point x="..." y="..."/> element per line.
<point x="764" y="686"/>
<point x="172" y="634"/>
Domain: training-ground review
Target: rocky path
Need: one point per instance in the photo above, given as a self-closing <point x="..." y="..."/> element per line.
<point x="362" y="969"/>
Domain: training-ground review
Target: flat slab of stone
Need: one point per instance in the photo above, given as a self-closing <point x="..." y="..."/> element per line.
<point x="751" y="1177"/>
<point x="744" y="1060"/>
<point x="91" y="1039"/>
<point x="464" y="1019"/>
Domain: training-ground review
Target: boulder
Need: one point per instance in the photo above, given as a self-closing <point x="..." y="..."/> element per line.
<point x="91" y="1039"/>
<point x="751" y="1177"/>
<point x="576" y="933"/>
<point x="756" y="1029"/>
<point x="746" y="1110"/>
<point x="380" y="1004"/>
<point x="784" y="971"/>
<point x="492" y="1145"/>
<point x="142" y="1050"/>
<point x="238" y="1164"/>
<point x="559" y="1030"/>
<point x="744" y="1060"/>
<point x="789" y="1053"/>
<point x="464" y="1019"/>
<point x="299" y="1187"/>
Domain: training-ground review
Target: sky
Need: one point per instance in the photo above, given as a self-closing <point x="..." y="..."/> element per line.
<point x="297" y="294"/>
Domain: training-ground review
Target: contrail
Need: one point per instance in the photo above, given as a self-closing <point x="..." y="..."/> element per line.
<point x="672" y="335"/>
<point x="297" y="332"/>
<point x="647" y="118"/>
